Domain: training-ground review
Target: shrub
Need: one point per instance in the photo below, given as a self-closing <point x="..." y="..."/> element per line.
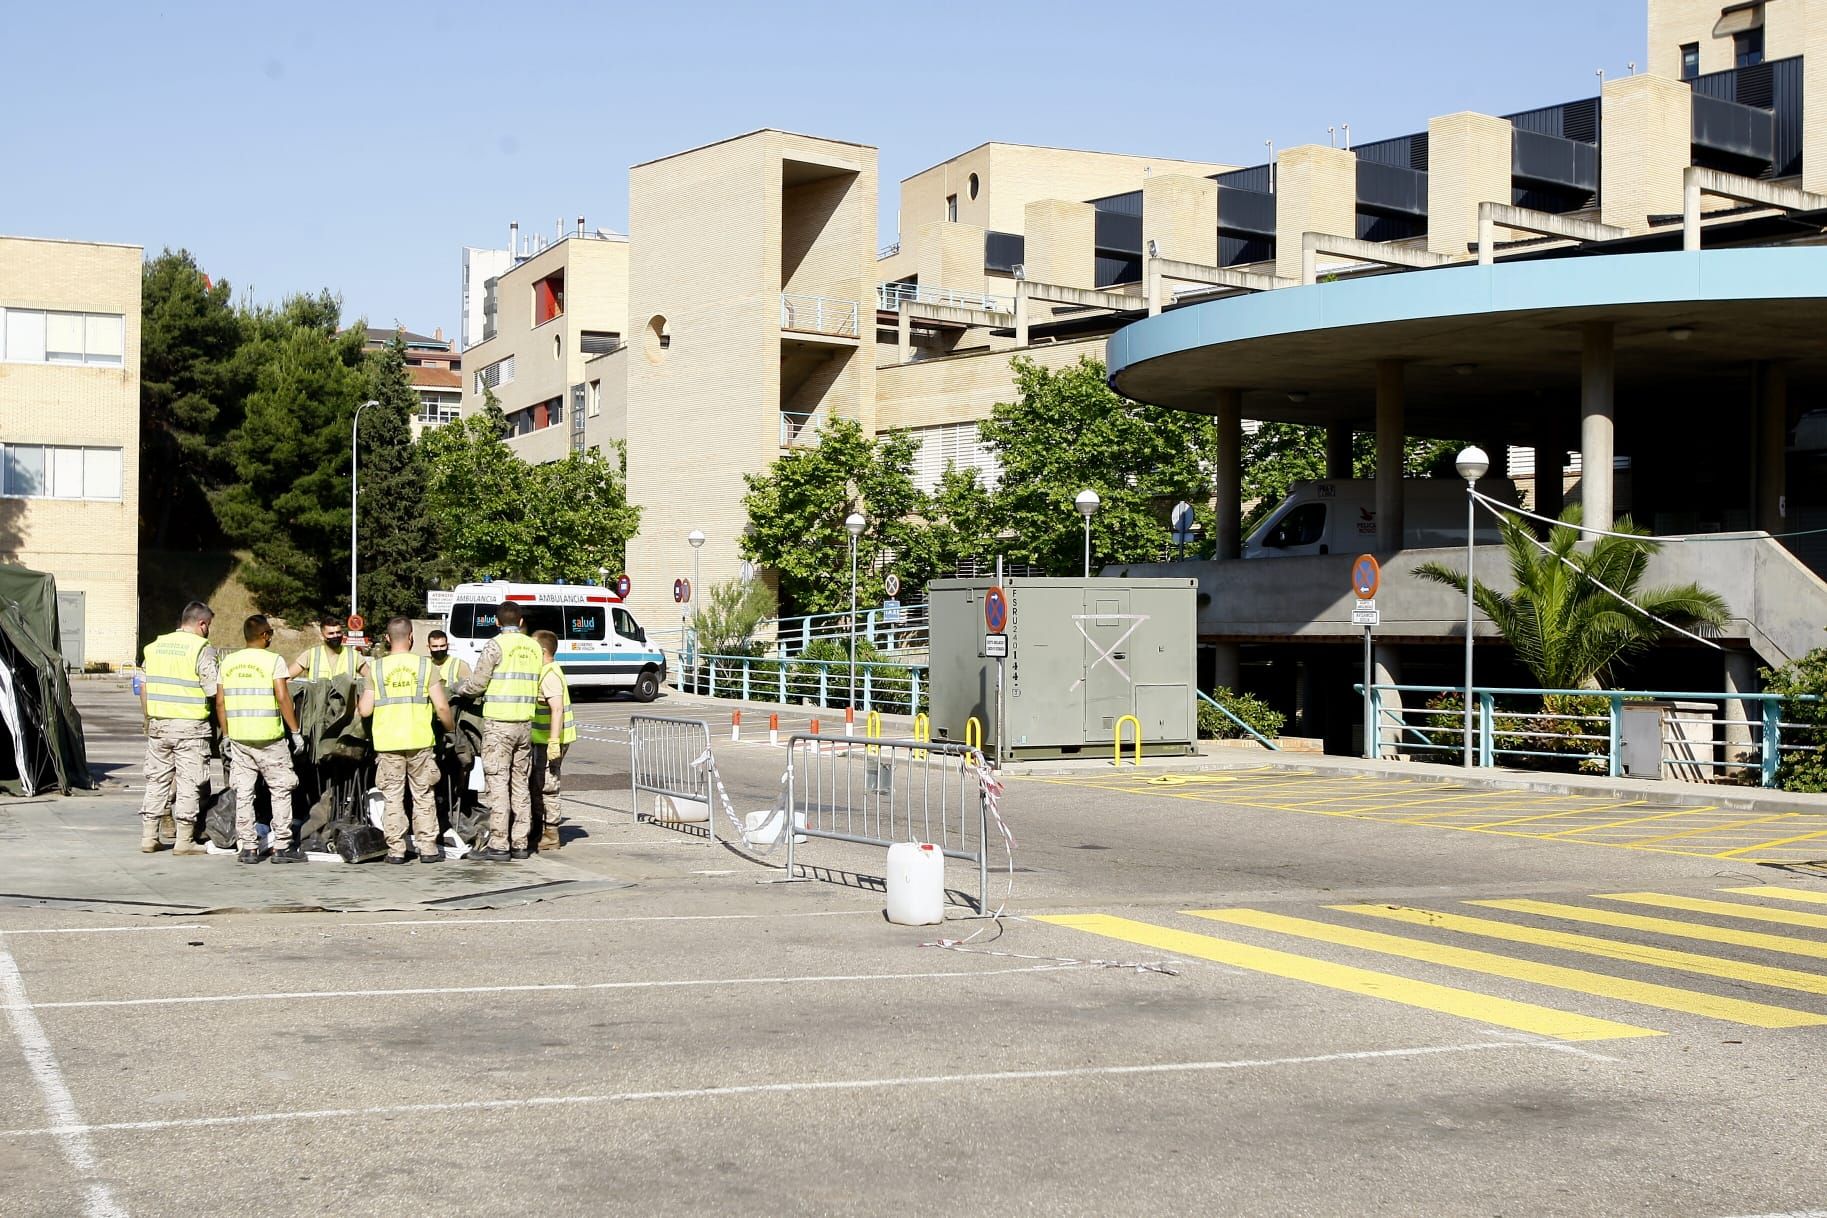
<point x="1214" y="725"/>
<point x="1444" y="725"/>
<point x="1803" y="769"/>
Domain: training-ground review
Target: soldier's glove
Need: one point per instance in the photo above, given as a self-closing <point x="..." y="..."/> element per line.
<point x="554" y="750"/>
<point x="298" y="746"/>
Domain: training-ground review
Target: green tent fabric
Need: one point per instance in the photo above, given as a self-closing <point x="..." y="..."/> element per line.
<point x="41" y="742"/>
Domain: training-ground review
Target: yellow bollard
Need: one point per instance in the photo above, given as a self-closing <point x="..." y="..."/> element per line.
<point x="973" y="734"/>
<point x="1117" y="742"/>
<point x="922" y="731"/>
<point x="872" y="728"/>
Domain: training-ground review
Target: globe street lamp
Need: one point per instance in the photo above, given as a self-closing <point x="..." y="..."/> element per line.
<point x="696" y="538"/>
<point x="355" y="432"/>
<point x="1087" y="505"/>
<point x="856" y="524"/>
<point x="1472" y="463"/>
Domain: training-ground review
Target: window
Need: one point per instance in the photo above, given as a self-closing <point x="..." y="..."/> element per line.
<point x="973" y="185"/>
<point x="473" y="622"/>
<point x="598" y="342"/>
<point x="627" y="627"/>
<point x="956" y="444"/>
<point x="1748" y="47"/>
<point x="596" y="398"/>
<point x="39" y="336"/>
<point x="584" y="622"/>
<point x="951" y="208"/>
<point x="1690" y="60"/>
<point x="499" y="373"/>
<point x="45" y="471"/>
<point x="1303" y="526"/>
<point x="549" y="298"/>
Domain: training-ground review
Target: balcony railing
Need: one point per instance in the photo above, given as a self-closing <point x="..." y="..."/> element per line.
<point x="891" y="295"/>
<point x="794" y="429"/>
<point x="820" y="315"/>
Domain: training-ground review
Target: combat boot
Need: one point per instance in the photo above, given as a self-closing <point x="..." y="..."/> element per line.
<point x="187" y="842"/>
<point x="548" y="838"/>
<point x="168" y="830"/>
<point x="149" y="835"/>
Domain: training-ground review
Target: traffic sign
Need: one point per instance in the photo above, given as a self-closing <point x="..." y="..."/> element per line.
<point x="996" y="646"/>
<point x="622" y="586"/>
<point x="746" y="572"/>
<point x="354" y="623"/>
<point x="995" y="610"/>
<point x="681" y="591"/>
<point x="1365" y="613"/>
<point x="1366" y="576"/>
<point x="1182" y="521"/>
<point x="892" y="586"/>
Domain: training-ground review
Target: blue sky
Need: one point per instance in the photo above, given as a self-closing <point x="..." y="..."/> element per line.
<point x="359" y="147"/>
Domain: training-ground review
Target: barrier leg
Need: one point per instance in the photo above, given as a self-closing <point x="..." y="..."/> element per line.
<point x="973" y="733"/>
<point x="773" y="729"/>
<point x="1117" y="740"/>
<point x="735" y="725"/>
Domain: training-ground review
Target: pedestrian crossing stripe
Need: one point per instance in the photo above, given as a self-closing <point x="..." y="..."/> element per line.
<point x="1467" y="1004"/>
<point x="1600" y="985"/>
<point x="1662" y="926"/>
<point x="1723" y="909"/>
<point x="1782" y="894"/>
<point x="1593" y="945"/>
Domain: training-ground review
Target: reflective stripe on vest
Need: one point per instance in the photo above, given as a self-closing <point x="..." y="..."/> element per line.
<point x="448" y="671"/>
<point x="250" y="697"/>
<point x="174" y="690"/>
<point x="321" y="666"/>
<point x="402" y="703"/>
<point x="542" y="712"/>
<point x="513" y="688"/>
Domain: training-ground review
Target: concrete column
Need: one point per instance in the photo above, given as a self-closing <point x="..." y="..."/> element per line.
<point x="1227" y="665"/>
<point x="1386" y="663"/>
<point x="1772" y="446"/>
<point x="1180" y="215"/>
<point x="1230" y="474"/>
<point x="1648" y="125"/>
<point x="1597" y="423"/>
<point x="904" y="332"/>
<point x="1021" y="312"/>
<point x="1338" y="450"/>
<point x="1391" y="403"/>
<point x="1060" y="243"/>
<point x="1316" y="191"/>
<point x="1740" y="678"/>
<point x="1550" y="491"/>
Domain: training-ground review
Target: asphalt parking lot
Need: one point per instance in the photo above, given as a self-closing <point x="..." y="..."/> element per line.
<point x="1220" y="1004"/>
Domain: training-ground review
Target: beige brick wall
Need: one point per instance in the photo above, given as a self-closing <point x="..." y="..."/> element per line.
<point x="1648" y="126"/>
<point x="1316" y="191"/>
<point x="962" y="388"/>
<point x="1675" y="22"/>
<point x="1180" y="214"/>
<point x="951" y="256"/>
<point x="610" y="423"/>
<point x="91" y="547"/>
<point x="1469" y="163"/>
<point x="1814" y="95"/>
<point x="1061" y="243"/>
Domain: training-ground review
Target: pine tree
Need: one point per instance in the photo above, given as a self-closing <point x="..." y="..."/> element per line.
<point x="396" y="543"/>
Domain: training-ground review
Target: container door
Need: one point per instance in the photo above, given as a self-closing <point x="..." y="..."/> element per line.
<point x="1107" y="691"/>
<point x="70" y="613"/>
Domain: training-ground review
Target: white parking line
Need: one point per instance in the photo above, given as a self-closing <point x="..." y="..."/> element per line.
<point x="59" y="1105"/>
<point x="554" y="987"/>
<point x="104" y="930"/>
<point x="697" y="1093"/>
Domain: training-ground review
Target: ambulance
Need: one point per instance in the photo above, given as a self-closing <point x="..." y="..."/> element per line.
<point x="600" y="645"/>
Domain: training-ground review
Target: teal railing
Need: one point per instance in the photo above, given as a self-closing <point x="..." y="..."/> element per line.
<point x="892" y="688"/>
<point x="1226" y="711"/>
<point x="1731" y="736"/>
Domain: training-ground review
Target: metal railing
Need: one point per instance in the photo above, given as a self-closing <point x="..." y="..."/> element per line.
<point x="881" y="792"/>
<point x="665" y="760"/>
<point x="892" y="688"/>
<point x="890" y="296"/>
<point x="1714" y="737"/>
<point x="1226" y="711"/>
<point x="793" y="428"/>
<point x="896" y="630"/>
<point x="888" y="251"/>
<point x="820" y="315"/>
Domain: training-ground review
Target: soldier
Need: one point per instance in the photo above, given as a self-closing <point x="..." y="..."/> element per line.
<point x="508" y="669"/>
<point x="450" y="667"/>
<point x="402" y="692"/>
<point x="330" y="657"/>
<point x="254" y="709"/>
<point x="180" y="679"/>
<point x="554" y="706"/>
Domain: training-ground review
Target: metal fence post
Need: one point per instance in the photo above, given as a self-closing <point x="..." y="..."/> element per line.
<point x="824" y="685"/>
<point x="1771" y="754"/>
<point x="713" y="678"/>
<point x="1373" y="730"/>
<point x="747" y="667"/>
<point x="913" y="699"/>
<point x="1614" y="766"/>
<point x="782" y="670"/>
<point x="1487" y="735"/>
<point x="868" y="686"/>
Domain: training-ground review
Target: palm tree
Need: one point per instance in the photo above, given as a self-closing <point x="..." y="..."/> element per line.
<point x="1569" y="631"/>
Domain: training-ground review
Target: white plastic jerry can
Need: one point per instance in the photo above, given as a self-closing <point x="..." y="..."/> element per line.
<point x="916" y="884"/>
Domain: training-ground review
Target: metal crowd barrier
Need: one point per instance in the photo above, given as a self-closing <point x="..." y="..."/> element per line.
<point x="662" y="761"/>
<point x="880" y="792"/>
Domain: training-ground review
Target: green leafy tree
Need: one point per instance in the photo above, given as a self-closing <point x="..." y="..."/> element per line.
<point x="1802" y="768"/>
<point x="1568" y="631"/>
<point x="496" y="515"/>
<point x="190" y="398"/>
<point x="289" y="501"/>
<point x="797" y="508"/>
<point x="1067" y="431"/>
<point x="732" y="610"/>
<point x="397" y="543"/>
<point x="958" y="520"/>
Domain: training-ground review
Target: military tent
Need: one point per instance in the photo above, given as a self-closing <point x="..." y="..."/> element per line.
<point x="41" y="745"/>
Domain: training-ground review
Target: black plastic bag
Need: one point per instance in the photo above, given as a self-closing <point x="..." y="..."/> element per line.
<point x="359" y="843"/>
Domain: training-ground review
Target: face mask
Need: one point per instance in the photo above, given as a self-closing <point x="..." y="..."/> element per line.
<point x="438" y="657"/>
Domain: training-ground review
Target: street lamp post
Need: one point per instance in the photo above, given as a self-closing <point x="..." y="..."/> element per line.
<point x="1087" y="505"/>
<point x="696" y="538"/>
<point x="1472" y="463"/>
<point x="355" y="432"/>
<point x="855" y="523"/>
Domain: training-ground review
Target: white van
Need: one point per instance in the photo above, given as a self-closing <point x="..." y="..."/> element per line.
<point x="1339" y="516"/>
<point x="599" y="642"/>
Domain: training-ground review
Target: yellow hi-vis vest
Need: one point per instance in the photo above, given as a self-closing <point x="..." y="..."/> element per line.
<point x="320" y="666"/>
<point x="542" y="713"/>
<point x="173" y="688"/>
<point x="250" y="697"/>
<point x="402" y="703"/>
<point x="448" y="671"/>
<point x="513" y="689"/>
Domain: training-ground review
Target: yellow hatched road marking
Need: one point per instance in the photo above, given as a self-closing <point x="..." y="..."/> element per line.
<point x="1723" y="909"/>
<point x="1781" y="841"/>
<point x="1731" y="824"/>
<point x="1592" y="945"/>
<point x="1634" y="820"/>
<point x="1504" y="1012"/>
<point x="1663" y="926"/>
<point x="1600" y="985"/>
<point x="1785" y="894"/>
